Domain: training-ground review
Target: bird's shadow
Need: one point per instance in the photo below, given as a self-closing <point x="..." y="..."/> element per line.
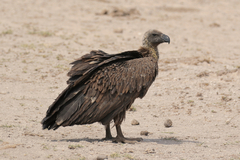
<point x="169" y="141"/>
<point x="78" y="140"/>
<point x="165" y="141"/>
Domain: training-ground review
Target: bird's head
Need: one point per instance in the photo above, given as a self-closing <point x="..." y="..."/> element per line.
<point x="153" y="38"/>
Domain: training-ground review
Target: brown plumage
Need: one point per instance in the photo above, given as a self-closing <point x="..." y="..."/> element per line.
<point x="103" y="86"/>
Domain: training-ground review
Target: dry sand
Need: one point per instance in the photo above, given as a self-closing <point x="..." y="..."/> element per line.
<point x="198" y="86"/>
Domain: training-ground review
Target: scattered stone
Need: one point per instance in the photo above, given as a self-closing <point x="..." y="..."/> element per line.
<point x="199" y="94"/>
<point x="102" y="157"/>
<point x="120" y="12"/>
<point x="150" y="151"/>
<point x="215" y="25"/>
<point x="135" y="122"/>
<point x="203" y="74"/>
<point x="168" y="123"/>
<point x="118" y="31"/>
<point x="228" y="120"/>
<point x="144" y="133"/>
<point x="226" y="99"/>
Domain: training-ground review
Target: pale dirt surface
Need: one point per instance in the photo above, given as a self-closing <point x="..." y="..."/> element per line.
<point x="198" y="86"/>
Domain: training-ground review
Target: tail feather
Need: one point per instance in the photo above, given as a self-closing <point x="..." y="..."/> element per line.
<point x="60" y="105"/>
<point x="69" y="109"/>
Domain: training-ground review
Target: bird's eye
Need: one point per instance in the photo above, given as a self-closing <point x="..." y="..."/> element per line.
<point x="154" y="35"/>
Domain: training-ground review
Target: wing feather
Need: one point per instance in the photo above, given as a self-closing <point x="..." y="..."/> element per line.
<point x="101" y="86"/>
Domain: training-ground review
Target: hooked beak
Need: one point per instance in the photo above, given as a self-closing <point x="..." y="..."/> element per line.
<point x="165" y="38"/>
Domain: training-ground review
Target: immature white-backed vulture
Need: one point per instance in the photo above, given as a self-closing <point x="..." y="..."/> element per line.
<point x="102" y="87"/>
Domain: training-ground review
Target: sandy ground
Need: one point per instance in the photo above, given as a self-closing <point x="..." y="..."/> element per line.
<point x="198" y="86"/>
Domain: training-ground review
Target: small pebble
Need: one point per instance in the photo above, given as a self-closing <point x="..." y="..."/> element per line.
<point x="135" y="122"/>
<point x="118" y="31"/>
<point x="102" y="157"/>
<point x="150" y="151"/>
<point x="228" y="120"/>
<point x="168" y="123"/>
<point x="199" y="94"/>
<point x="144" y="133"/>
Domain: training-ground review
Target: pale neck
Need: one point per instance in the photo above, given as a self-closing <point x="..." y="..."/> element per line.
<point x="153" y="50"/>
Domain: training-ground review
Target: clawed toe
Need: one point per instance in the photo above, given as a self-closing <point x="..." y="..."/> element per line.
<point x="119" y="138"/>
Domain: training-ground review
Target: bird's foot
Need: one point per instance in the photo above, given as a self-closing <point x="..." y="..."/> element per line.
<point x="108" y="138"/>
<point x="126" y="140"/>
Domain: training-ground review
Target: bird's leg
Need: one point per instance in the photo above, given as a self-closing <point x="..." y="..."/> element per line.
<point x="121" y="138"/>
<point x="108" y="132"/>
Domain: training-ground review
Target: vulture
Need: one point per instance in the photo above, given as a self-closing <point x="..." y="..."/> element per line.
<point x="102" y="87"/>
